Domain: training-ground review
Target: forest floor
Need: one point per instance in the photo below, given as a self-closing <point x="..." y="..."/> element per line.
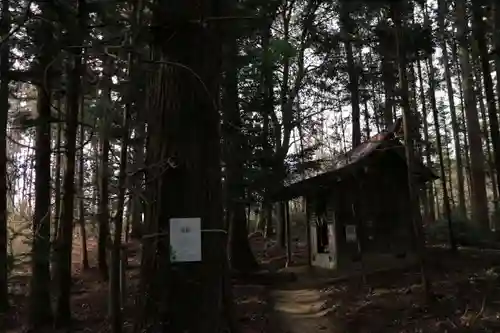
<point x="466" y="297"/>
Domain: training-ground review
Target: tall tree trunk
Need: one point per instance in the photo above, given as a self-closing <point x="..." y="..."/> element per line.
<point x="57" y="180"/>
<point x="463" y="120"/>
<point x="183" y="124"/>
<point x="486" y="134"/>
<point x="496" y="37"/>
<point x="444" y="187"/>
<point x="478" y="184"/>
<point x="387" y="78"/>
<point x="81" y="191"/>
<point x="40" y="309"/>
<point x="115" y="276"/>
<point x="396" y="9"/>
<point x="104" y="172"/>
<point x="137" y="99"/>
<point x="428" y="188"/>
<point x="65" y="241"/>
<point x="137" y="179"/>
<point x="453" y="112"/>
<point x="4" y="105"/>
<point x="480" y="36"/>
<point x="242" y="258"/>
<point x="267" y="96"/>
<point x="353" y="85"/>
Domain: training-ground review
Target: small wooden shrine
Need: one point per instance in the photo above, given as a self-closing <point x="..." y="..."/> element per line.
<point x="361" y="205"/>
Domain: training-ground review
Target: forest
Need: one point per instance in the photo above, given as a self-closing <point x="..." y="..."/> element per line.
<point x="119" y="116"/>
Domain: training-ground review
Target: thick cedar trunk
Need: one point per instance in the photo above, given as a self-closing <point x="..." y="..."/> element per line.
<point x="478" y="182"/>
<point x="453" y="112"/>
<point x="40" y="309"/>
<point x="65" y="241"/>
<point x="242" y="258"/>
<point x="183" y="126"/>
<point x="4" y="105"/>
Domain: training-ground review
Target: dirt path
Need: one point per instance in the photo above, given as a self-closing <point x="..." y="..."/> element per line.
<point x="300" y="307"/>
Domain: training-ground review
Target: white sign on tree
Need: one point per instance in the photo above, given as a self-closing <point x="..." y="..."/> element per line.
<point x="185" y="239"/>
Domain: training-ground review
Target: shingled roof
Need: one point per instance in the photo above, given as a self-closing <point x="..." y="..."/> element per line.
<point x="347" y="162"/>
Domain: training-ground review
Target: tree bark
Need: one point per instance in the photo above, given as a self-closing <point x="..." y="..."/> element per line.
<point x="352" y="71"/>
<point x="478" y="183"/>
<point x="81" y="192"/>
<point x="496" y="36"/>
<point x="242" y="258"/>
<point x="57" y="180"/>
<point x="115" y="276"/>
<point x="453" y="112"/>
<point x="480" y="36"/>
<point x="444" y="187"/>
<point x="183" y="131"/>
<point x="5" y="24"/>
<point x="65" y="241"/>
<point x="40" y="309"/>
<point x="409" y="148"/>
<point x="104" y="172"/>
<point x="428" y="188"/>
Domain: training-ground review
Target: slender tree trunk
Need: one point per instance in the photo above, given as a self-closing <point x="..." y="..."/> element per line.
<point x="57" y="180"/>
<point x="65" y="242"/>
<point x="137" y="102"/>
<point x="136" y="204"/>
<point x="115" y="276"/>
<point x="480" y="214"/>
<point x="453" y="113"/>
<point x="429" y="188"/>
<point x="410" y="158"/>
<point x="81" y="191"/>
<point x="444" y="187"/>
<point x="480" y="36"/>
<point x="4" y="105"/>
<point x="463" y="122"/>
<point x="387" y="77"/>
<point x="353" y="85"/>
<point x="104" y="173"/>
<point x="496" y="36"/>
<point x="267" y="95"/>
<point x="486" y="134"/>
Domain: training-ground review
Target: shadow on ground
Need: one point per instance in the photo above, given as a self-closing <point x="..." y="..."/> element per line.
<point x="466" y="299"/>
